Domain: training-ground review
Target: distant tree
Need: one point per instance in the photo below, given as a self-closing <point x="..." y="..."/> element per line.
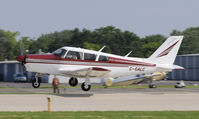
<point x="8" y="44"/>
<point x="91" y="46"/>
<point x="132" y="43"/>
<point x="51" y="42"/>
<point x="190" y="43"/>
<point x="27" y="45"/>
<point x="151" y="43"/>
<point x="114" y="39"/>
<point x="117" y="42"/>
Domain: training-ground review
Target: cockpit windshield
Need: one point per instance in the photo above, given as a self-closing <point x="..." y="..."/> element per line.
<point x="60" y="52"/>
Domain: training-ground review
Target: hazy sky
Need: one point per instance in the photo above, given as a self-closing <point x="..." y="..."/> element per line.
<point x="143" y="17"/>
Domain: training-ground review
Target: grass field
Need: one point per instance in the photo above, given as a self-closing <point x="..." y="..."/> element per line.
<point x="102" y="115"/>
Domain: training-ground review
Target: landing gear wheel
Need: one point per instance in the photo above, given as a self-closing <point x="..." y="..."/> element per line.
<point x="73" y="81"/>
<point x="152" y="86"/>
<point x="85" y="87"/>
<point x="35" y="84"/>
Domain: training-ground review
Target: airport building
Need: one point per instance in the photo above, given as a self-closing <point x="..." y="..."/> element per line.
<point x="10" y="69"/>
<point x="190" y="63"/>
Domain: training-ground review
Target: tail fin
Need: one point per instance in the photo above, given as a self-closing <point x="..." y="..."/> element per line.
<point x="167" y="52"/>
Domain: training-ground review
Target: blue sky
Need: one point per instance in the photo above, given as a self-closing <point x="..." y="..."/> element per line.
<point x="143" y="17"/>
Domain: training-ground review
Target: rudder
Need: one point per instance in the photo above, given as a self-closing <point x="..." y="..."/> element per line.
<point x="167" y="52"/>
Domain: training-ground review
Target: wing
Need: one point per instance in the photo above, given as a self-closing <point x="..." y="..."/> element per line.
<point x="91" y="72"/>
<point x="136" y="80"/>
<point x="129" y="80"/>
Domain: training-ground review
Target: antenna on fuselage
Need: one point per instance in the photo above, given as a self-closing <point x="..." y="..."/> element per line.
<point x="128" y="54"/>
<point x="102" y="48"/>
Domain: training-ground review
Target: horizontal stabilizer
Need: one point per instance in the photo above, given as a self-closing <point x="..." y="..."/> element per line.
<point x="178" y="67"/>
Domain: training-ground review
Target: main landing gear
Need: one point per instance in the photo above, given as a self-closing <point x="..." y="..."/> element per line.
<point x="152" y="84"/>
<point x="86" y="86"/>
<point x="36" y="81"/>
<point x="73" y="81"/>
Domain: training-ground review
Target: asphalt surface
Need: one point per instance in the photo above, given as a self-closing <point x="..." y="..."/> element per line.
<point x="27" y="88"/>
<point x="98" y="99"/>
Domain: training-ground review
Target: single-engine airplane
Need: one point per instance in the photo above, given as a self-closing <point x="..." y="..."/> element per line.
<point x="82" y="63"/>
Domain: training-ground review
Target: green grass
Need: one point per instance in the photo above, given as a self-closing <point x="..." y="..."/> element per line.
<point x="8" y="88"/>
<point x="102" y="115"/>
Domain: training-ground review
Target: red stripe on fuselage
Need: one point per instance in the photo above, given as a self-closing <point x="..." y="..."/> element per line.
<point x="76" y="64"/>
<point x="118" y="60"/>
<point x="111" y="60"/>
<point x="169" y="48"/>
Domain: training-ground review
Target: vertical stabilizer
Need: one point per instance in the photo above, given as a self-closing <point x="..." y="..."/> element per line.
<point x="167" y="52"/>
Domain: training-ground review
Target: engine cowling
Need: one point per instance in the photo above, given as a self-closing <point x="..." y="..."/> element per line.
<point x="107" y="81"/>
<point x="159" y="76"/>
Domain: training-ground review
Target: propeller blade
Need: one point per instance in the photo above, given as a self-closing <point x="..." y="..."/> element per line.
<point x="21" y="47"/>
<point x="24" y="59"/>
<point x="22" y="64"/>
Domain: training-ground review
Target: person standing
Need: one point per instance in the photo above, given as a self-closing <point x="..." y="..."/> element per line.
<point x="55" y="84"/>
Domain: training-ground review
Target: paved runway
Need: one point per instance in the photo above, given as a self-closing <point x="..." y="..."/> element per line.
<point x="100" y="102"/>
<point x="120" y="99"/>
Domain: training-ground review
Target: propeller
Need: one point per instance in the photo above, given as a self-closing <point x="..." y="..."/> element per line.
<point x="21" y="47"/>
<point x="22" y="58"/>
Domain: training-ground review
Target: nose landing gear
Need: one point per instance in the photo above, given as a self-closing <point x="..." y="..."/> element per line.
<point x="36" y="81"/>
<point x="85" y="87"/>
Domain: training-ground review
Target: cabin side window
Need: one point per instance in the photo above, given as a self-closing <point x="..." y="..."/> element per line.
<point x="103" y="58"/>
<point x="60" y="52"/>
<point x="88" y="56"/>
<point x="74" y="55"/>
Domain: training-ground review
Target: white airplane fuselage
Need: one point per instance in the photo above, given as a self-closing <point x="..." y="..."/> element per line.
<point x="118" y="65"/>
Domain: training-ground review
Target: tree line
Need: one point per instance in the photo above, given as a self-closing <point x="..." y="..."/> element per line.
<point x="116" y="41"/>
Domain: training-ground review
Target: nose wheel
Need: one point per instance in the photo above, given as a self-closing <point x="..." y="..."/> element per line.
<point x="36" y="83"/>
<point x="85" y="87"/>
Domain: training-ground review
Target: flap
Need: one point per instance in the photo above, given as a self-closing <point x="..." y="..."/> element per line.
<point x="90" y="72"/>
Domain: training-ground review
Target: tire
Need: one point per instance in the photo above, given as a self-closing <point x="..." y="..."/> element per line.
<point x="73" y="81"/>
<point x="152" y="86"/>
<point x="176" y="86"/>
<point x="85" y="87"/>
<point x="35" y="84"/>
